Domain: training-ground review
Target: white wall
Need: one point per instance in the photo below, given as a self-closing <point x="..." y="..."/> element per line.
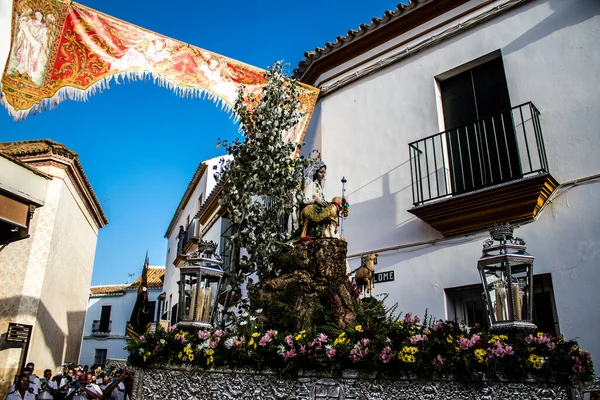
<point x="205" y="186"/>
<point x="551" y="57"/>
<point x="121" y="308"/>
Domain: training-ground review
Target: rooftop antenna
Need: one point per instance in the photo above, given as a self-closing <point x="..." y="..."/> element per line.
<point x="129" y="275"/>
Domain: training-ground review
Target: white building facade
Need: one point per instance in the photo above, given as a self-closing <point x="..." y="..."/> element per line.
<point x="108" y="313"/>
<point x="431" y="113"/>
<point x="198" y="217"/>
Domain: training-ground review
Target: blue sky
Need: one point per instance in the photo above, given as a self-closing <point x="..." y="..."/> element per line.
<point x="139" y="143"/>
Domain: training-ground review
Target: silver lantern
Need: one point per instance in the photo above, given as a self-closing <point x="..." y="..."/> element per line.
<point x="506" y="271"/>
<point x="200" y="285"/>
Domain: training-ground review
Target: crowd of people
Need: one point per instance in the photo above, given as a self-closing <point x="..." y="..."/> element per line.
<point x="72" y="383"/>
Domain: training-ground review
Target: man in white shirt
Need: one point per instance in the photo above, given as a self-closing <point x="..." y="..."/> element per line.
<point x="21" y="391"/>
<point x="34" y="380"/>
<point x="48" y="387"/>
<point x="65" y="382"/>
<point x="84" y="389"/>
<point x="120" y="388"/>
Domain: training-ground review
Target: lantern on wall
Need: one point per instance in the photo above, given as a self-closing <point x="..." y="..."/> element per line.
<point x="199" y="286"/>
<point x="506" y="271"/>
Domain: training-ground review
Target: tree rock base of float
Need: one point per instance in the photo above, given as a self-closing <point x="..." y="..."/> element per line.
<point x="311" y="288"/>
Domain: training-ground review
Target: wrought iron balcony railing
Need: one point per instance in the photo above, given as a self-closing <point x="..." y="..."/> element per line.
<point x="99" y="329"/>
<point x="501" y="148"/>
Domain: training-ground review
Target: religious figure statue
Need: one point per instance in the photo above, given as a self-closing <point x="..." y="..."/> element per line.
<point x="317" y="217"/>
<point x="31" y="45"/>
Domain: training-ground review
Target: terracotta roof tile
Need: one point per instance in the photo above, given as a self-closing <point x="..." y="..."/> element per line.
<point x="186" y="196"/>
<point x="354" y="34"/>
<point x="155" y="278"/>
<point x="108" y="290"/>
<point x="211" y="198"/>
<point x="28" y="149"/>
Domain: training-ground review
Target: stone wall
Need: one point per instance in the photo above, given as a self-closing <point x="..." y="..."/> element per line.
<point x="220" y="384"/>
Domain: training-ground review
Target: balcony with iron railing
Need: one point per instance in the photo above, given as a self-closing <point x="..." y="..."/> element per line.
<point x="101" y="330"/>
<point x="186" y="241"/>
<point x="492" y="170"/>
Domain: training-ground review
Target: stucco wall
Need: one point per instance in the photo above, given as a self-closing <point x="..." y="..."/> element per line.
<point x="551" y="53"/>
<point x="47" y="278"/>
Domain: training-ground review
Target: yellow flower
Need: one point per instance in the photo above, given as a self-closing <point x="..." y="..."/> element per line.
<point x="540" y="334"/>
<point x="300" y="335"/>
<point x="191" y="357"/>
<point x="251" y="342"/>
<point x="358" y="328"/>
<point x="255" y="334"/>
<point x="210" y="352"/>
<point x="535" y="361"/>
<point x="180" y="355"/>
<point x="209" y="360"/>
<point x="408" y="358"/>
<point x="449" y="339"/>
<point x="480" y="355"/>
<point x="184" y="358"/>
<point x="498" y="338"/>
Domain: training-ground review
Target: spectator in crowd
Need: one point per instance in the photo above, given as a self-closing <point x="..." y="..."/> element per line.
<point x="32" y="386"/>
<point x="120" y="388"/>
<point x="65" y="383"/>
<point x="84" y="389"/>
<point x="48" y="386"/>
<point x="21" y="389"/>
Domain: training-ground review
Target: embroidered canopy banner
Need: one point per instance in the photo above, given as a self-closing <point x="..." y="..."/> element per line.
<point x="64" y="50"/>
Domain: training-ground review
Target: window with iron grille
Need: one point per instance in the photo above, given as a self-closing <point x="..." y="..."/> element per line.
<point x="100" y="356"/>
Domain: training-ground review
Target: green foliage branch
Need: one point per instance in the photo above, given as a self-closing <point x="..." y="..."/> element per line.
<point x="262" y="180"/>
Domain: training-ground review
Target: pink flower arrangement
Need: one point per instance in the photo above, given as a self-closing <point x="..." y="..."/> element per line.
<point x="500" y="351"/>
<point x="266" y="339"/>
<point x="418" y="338"/>
<point x="408" y="318"/>
<point x="330" y="353"/>
<point x="204" y="335"/>
<point x="288" y="354"/>
<point x="541" y="339"/>
<point x="438" y="362"/>
<point x="465" y="343"/>
<point x="289" y="340"/>
<point x="360" y="350"/>
<point x="386" y="355"/>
